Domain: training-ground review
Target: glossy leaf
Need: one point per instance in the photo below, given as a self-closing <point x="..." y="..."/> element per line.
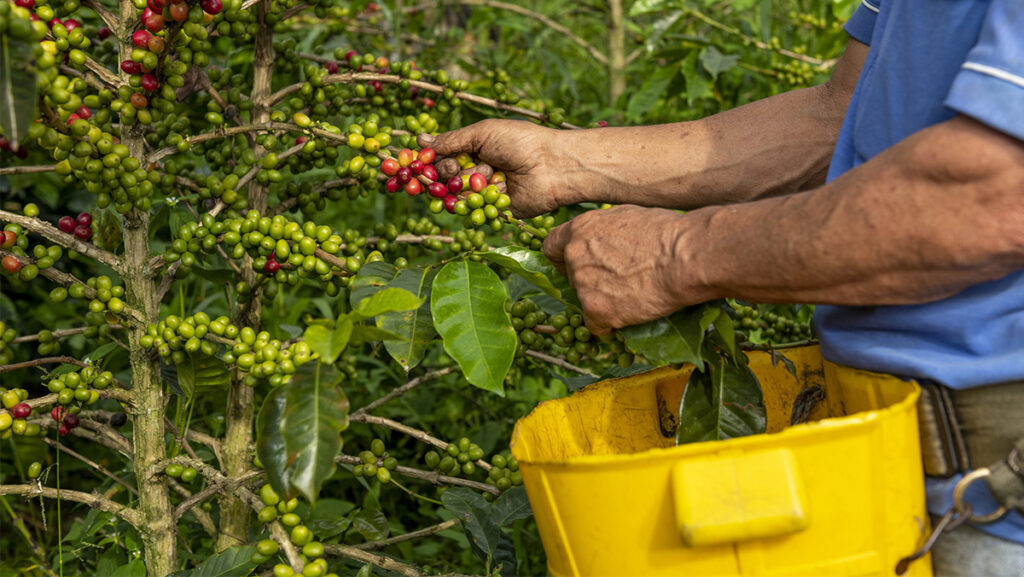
<point x="17" y="87"/>
<point x="511" y="506"/>
<point x="233" y="562"/>
<point x="468" y="304"/>
<point x="715" y="62"/>
<point x="370" y="279"/>
<point x="535" y="267"/>
<point x="329" y="343"/>
<point x="673" y="339"/>
<point x="414" y="328"/>
<point x="369" y="333"/>
<point x="722" y="402"/>
<point x="201" y="372"/>
<point x="315" y="413"/>
<point x="477" y="519"/>
<point x="370" y="521"/>
<point x="270" y="442"/>
<point x="388" y="300"/>
<point x="330" y="518"/>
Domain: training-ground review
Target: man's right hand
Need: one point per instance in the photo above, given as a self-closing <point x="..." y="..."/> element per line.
<point x="537" y="179"/>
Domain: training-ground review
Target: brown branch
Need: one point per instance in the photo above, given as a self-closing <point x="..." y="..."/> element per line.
<point x="42" y="361"/>
<point x="62" y="238"/>
<point x="94" y="465"/>
<point x="429" y="476"/>
<point x="431" y="530"/>
<point x="212" y="490"/>
<point x="202" y="516"/>
<point x="558" y="362"/>
<point x="108" y="17"/>
<point x="417" y="434"/>
<point x="399" y="391"/>
<point x="160" y="153"/>
<point x="352" y="77"/>
<point x="95" y="501"/>
<point x="255" y="169"/>
<point x="59" y="334"/>
<point x="381" y="561"/>
<point x="8" y="170"/>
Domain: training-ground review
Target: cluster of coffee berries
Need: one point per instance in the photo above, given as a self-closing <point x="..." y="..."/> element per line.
<point x="81" y="387"/>
<point x="562" y="332"/>
<point x="7" y="335"/>
<point x="773" y="324"/>
<point x="14" y="420"/>
<point x="376" y="462"/>
<point x="66" y="419"/>
<point x="312" y="551"/>
<point x="178" y="471"/>
<point x="80" y="226"/>
<point x="255" y="354"/>
<point x="504" y="473"/>
<point x="457" y="457"/>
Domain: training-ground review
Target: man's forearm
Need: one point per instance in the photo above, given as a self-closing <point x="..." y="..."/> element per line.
<point x="939" y="212"/>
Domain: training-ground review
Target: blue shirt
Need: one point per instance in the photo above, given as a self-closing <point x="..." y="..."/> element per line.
<point x="929" y="61"/>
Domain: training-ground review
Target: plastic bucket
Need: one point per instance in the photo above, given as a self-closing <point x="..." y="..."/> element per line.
<point x="840" y="495"/>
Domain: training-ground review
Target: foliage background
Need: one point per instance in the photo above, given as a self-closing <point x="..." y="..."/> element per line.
<point x="676" y="61"/>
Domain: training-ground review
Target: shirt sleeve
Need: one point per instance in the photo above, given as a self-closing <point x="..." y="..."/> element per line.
<point x="990" y="84"/>
<point x="861" y="25"/>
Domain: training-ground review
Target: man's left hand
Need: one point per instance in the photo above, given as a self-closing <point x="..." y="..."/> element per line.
<point x="624" y="263"/>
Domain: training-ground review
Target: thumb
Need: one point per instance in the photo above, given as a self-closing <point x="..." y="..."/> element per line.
<point x="468" y="139"/>
<point x="554" y="246"/>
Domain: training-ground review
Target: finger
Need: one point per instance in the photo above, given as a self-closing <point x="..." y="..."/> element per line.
<point x="554" y="246"/>
<point x="468" y="139"/>
<point x="598" y="326"/>
<point x="484" y="169"/>
<point x="447" y="168"/>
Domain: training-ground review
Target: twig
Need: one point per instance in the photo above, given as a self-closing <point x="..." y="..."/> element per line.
<point x="431" y="530"/>
<point x="62" y="238"/>
<point x="211" y="490"/>
<point x="42" y="361"/>
<point x="96" y="466"/>
<point x="95" y="501"/>
<point x="817" y="62"/>
<point x="381" y="561"/>
<point x="59" y="334"/>
<point x="558" y="362"/>
<point x="352" y="77"/>
<point x="108" y="17"/>
<point x="404" y="389"/>
<point x="8" y="170"/>
<point x="429" y="476"/>
<point x="201" y="438"/>
<point x="160" y="153"/>
<point x="202" y="516"/>
<point x="405" y="429"/>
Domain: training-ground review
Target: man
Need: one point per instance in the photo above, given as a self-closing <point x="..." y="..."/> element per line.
<point x="893" y="196"/>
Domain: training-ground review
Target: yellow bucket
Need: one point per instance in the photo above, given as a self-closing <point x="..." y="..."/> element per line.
<point x="840" y="495"/>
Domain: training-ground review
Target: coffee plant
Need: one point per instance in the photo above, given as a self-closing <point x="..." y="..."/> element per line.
<point x="254" y="327"/>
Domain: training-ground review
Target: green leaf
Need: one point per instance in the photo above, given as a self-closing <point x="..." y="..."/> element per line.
<point x="270" y="442"/>
<point x="659" y="28"/>
<point x="477" y="518"/>
<point x="18" y="79"/>
<point x="673" y="339"/>
<point x="722" y="402"/>
<point x="365" y="571"/>
<point x="314" y="416"/>
<point x="329" y="518"/>
<point x="371" y="278"/>
<point x="414" y="328"/>
<point x="102" y="352"/>
<point x="647" y="97"/>
<point x="329" y="343"/>
<point x="369" y="333"/>
<point x="511" y="506"/>
<point x="468" y="304"/>
<point x="370" y="521"/>
<point x="134" y="569"/>
<point x="615" y="372"/>
<point x="536" y="268"/>
<point x="388" y="300"/>
<point x="233" y="562"/>
<point x="201" y="371"/>
<point x="715" y="62"/>
<point x="726" y="330"/>
<point x="698" y="84"/>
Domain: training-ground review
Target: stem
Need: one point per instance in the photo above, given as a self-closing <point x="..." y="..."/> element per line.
<point x="94" y="465"/>
<point x="238" y="436"/>
<point x="59" y="334"/>
<point x="429" y="476"/>
<point x="616" y="51"/>
<point x="148" y="391"/>
<point x="431" y="530"/>
<point x="558" y="362"/>
<point x="95" y="501"/>
<point x="404" y="389"/>
<point x="8" y="170"/>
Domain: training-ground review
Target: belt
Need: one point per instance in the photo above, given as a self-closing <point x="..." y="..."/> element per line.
<point x="973" y="429"/>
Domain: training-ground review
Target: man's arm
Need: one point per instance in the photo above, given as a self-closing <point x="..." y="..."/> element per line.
<point x="934" y="214"/>
<point x="771" y="147"/>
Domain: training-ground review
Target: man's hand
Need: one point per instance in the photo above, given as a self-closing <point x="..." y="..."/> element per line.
<point x="624" y="264"/>
<point x="524" y="151"/>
